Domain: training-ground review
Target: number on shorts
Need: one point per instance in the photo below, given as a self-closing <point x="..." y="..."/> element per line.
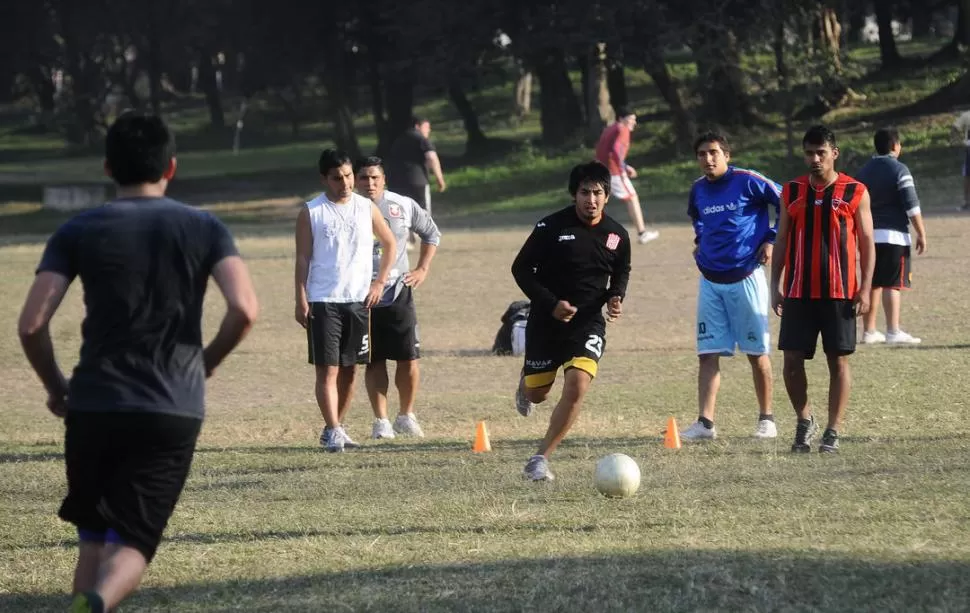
<point x="702" y="328"/>
<point x="365" y="343"/>
<point x="595" y="345"/>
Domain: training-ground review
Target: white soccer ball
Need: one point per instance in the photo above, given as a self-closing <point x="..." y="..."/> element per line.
<point x="617" y="476"/>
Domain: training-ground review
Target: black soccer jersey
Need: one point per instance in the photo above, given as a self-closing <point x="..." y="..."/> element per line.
<point x="565" y="259"/>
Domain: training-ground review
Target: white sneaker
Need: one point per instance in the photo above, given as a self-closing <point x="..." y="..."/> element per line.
<point x="766" y="429"/>
<point x="902" y="338"/>
<point x="522" y="403"/>
<point x="537" y="469"/>
<point x="871" y="337"/>
<point x="647" y="235"/>
<point x="699" y="432"/>
<point x="334" y="440"/>
<point x="407" y="425"/>
<point x="382" y="429"/>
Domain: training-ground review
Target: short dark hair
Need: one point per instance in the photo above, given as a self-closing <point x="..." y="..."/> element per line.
<point x="622" y="111"/>
<point x="713" y="136"/>
<point x="885" y="139"/>
<point x="138" y="148"/>
<point x="332" y="158"/>
<point x="417" y="120"/>
<point x="590" y="172"/>
<point x="819" y="135"/>
<point x="368" y="162"/>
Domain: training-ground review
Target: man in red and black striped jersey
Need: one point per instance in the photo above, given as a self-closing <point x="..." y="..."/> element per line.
<point x="825" y="247"/>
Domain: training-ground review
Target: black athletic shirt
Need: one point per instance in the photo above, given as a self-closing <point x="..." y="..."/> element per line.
<point x="406" y="166"/>
<point x="564" y="259"/>
<point x="144" y="266"/>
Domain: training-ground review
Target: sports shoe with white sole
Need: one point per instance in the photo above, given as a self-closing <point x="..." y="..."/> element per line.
<point x="902" y="338"/>
<point x="382" y="429"/>
<point x="830" y="442"/>
<point x="766" y="429"/>
<point x="699" y="432"/>
<point x="872" y="337"/>
<point x="537" y="469"/>
<point x="804" y="433"/>
<point x="647" y="235"/>
<point x="522" y="403"/>
<point x="407" y="425"/>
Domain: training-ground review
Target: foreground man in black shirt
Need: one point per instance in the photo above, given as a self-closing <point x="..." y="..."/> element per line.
<point x="135" y="402"/>
<point x="575" y="261"/>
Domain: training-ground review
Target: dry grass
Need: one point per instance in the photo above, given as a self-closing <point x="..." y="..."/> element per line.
<point x="268" y="523"/>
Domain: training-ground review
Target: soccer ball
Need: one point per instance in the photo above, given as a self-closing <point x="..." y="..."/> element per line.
<point x="617" y="476"/>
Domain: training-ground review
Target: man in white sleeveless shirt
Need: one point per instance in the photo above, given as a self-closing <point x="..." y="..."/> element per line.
<point x="394" y="322"/>
<point x="336" y="286"/>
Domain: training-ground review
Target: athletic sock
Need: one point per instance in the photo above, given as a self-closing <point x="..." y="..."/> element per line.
<point x="707" y="422"/>
<point x="764" y="417"/>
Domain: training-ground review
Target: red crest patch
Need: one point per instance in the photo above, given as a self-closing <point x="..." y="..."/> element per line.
<point x="394" y="210"/>
<point x="612" y="241"/>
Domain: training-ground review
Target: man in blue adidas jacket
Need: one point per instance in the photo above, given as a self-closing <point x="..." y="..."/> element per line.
<point x="734" y="238"/>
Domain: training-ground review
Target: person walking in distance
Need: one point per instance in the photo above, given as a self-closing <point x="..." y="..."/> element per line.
<point x="336" y="287"/>
<point x="611" y="150"/>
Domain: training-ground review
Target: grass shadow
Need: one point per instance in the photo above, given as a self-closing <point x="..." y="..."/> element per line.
<point x="667" y="580"/>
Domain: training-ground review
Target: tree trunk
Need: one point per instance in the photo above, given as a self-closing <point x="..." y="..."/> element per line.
<point x="476" y="139"/>
<point x="82" y="72"/>
<point x="399" y="97"/>
<point x="213" y="98"/>
<point x="561" y="117"/>
<point x="718" y="69"/>
<point x="656" y="67"/>
<point x="154" y="63"/>
<point x="523" y="91"/>
<point x="857" y="21"/>
<point x="922" y="24"/>
<point x="377" y="102"/>
<point x="962" y="35"/>
<point x="888" y="53"/>
<point x="830" y="36"/>
<point x="344" y="133"/>
<point x="784" y="80"/>
<point x="616" y="82"/>
<point x="599" y="112"/>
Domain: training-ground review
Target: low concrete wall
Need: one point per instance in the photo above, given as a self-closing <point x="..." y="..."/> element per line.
<point x="73" y="197"/>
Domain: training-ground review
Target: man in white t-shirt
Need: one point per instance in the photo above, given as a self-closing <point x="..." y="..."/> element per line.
<point x="394" y="321"/>
<point x="336" y="286"/>
<point x="962" y="128"/>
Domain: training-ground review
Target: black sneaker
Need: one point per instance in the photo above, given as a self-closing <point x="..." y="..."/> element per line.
<point x="830" y="442"/>
<point x="804" y="433"/>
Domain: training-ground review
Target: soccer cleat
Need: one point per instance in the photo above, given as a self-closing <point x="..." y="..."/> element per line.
<point x="830" y="442"/>
<point x="699" y="432"/>
<point x="647" y="235"/>
<point x="88" y="602"/>
<point x="804" y="433"/>
<point x="382" y="429"/>
<point x="871" y="337"/>
<point x="766" y="429"/>
<point x="407" y="425"/>
<point x="902" y="338"/>
<point x="537" y="469"/>
<point x="522" y="403"/>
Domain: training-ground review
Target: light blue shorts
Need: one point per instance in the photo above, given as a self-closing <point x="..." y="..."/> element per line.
<point x="733" y="314"/>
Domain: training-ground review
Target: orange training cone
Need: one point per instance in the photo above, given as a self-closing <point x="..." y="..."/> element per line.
<point x="672" y="436"/>
<point x="481" y="439"/>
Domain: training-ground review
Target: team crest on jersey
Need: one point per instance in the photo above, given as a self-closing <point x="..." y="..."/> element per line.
<point x="394" y="210"/>
<point x="612" y="241"/>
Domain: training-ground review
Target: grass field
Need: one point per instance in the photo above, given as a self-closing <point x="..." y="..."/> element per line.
<point x="270" y="523"/>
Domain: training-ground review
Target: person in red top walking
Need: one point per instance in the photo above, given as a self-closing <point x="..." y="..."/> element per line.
<point x="825" y="247"/>
<point x="611" y="150"/>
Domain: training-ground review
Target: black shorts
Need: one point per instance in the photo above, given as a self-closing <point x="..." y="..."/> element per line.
<point x="550" y="344"/>
<point x="125" y="473"/>
<point x="394" y="329"/>
<point x="338" y="334"/>
<point x="803" y="319"/>
<point x="893" y="268"/>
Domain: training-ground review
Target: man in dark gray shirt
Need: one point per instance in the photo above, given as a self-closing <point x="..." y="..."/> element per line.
<point x="135" y="402"/>
<point x="894" y="206"/>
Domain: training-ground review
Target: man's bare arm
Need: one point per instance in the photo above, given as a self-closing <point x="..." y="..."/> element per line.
<point x="242" y="308"/>
<point x="42" y="301"/>
<point x="433" y="163"/>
